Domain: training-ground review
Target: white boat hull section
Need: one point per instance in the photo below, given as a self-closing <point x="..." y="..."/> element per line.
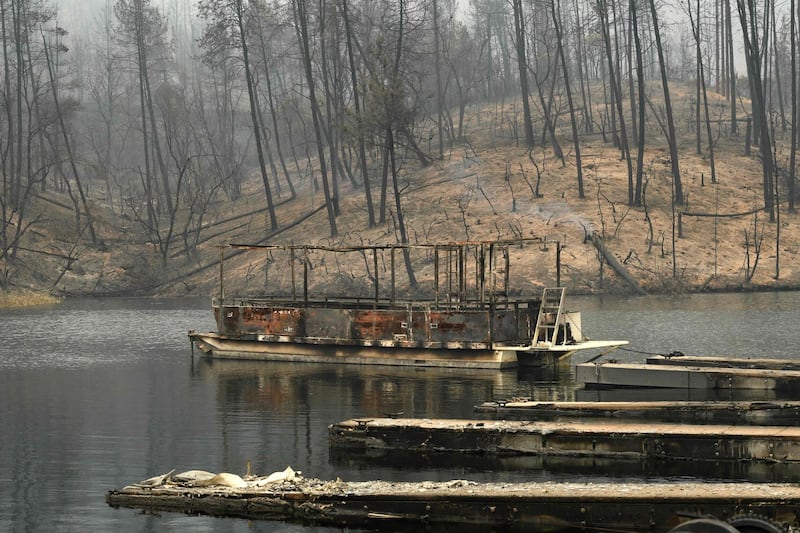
<point x="457" y="355"/>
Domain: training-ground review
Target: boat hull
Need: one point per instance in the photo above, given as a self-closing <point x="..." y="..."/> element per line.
<point x="394" y="353"/>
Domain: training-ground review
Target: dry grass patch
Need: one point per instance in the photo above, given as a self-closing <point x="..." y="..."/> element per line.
<point x="26" y="298"/>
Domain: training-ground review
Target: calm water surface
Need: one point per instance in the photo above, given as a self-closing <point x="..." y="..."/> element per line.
<point x="96" y="394"/>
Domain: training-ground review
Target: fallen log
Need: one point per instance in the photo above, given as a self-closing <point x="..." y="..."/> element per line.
<point x="616" y="265"/>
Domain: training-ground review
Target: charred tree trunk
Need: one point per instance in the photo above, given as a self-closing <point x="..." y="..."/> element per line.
<point x="572" y="119"/>
<point x="702" y="80"/>
<point x="362" y="150"/>
<point x="637" y="195"/>
<point x="302" y="34"/>
<point x="251" y="93"/>
<point x="616" y="96"/>
<point x="747" y="14"/>
<point x="522" y="64"/>
<point x="793" y="149"/>
<point x="671" y="137"/>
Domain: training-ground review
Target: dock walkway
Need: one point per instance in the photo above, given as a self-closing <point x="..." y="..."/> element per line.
<point x="656" y="507"/>
<point x="741" y="413"/>
<point x="602" y="439"/>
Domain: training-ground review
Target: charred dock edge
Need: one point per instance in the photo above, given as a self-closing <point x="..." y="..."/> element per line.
<point x="747" y="413"/>
<point x="656" y="507"/>
<point x="598" y="439"/>
<point x="467" y="314"/>
<point x="692" y="372"/>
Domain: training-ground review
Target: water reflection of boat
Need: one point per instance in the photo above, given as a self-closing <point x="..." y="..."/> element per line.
<point x="459" y="309"/>
<point x="280" y="387"/>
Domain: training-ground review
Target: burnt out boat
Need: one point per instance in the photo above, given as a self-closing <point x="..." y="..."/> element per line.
<point x="437" y="305"/>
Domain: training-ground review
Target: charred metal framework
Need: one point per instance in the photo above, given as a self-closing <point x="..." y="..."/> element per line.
<point x="459" y="293"/>
<point x="451" y="304"/>
<point x="464" y="274"/>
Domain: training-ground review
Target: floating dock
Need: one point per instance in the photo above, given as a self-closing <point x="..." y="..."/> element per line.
<point x="684" y="376"/>
<point x="742" y="413"/>
<point x="441" y="506"/>
<point x="724" y="362"/>
<point x="600" y="439"/>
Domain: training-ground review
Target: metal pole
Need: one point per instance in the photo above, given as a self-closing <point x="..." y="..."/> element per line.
<point x="436" y="275"/>
<point x="305" y="275"/>
<point x="507" y="275"/>
<point x="558" y="263"/>
<point x="393" y="273"/>
<point x="291" y="262"/>
<point x="221" y="271"/>
<point x="375" y="268"/>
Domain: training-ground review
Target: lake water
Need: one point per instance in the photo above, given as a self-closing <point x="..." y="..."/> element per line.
<point x="97" y="394"/>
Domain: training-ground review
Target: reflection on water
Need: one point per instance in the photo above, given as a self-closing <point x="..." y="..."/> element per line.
<point x="280" y="388"/>
<point x="95" y="394"/>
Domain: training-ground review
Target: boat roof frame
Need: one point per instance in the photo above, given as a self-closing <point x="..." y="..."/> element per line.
<point x="480" y="255"/>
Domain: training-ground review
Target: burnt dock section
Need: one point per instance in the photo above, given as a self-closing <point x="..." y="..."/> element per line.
<point x="724" y="362"/>
<point x="622" y="507"/>
<point x="685" y="376"/>
<point x="600" y="439"/>
<point x="741" y="413"/>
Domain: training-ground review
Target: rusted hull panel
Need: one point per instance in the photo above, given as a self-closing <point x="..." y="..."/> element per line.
<point x="777" y="413"/>
<point x="656" y="507"/>
<point x="585" y="439"/>
<point x="396" y="352"/>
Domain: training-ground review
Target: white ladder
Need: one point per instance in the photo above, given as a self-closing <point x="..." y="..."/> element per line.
<point x="550" y="311"/>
